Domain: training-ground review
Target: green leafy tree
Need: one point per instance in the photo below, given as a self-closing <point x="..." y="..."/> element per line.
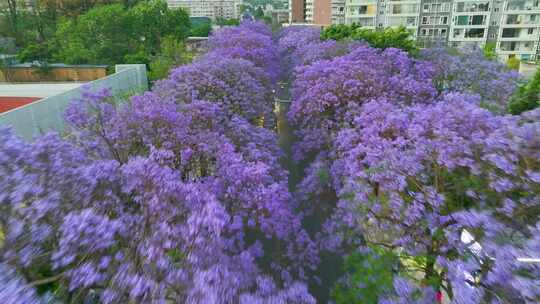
<point x="102" y="35"/>
<point x="173" y="53"/>
<point x="200" y="26"/>
<point x="153" y="20"/>
<point x="513" y="63"/>
<point x="35" y="52"/>
<point x="112" y="34"/>
<point x="389" y="37"/>
<point x="369" y="274"/>
<point x="527" y="97"/>
<point x="259" y="13"/>
<point x="201" y="30"/>
<point x="489" y="50"/>
<point x="227" y="22"/>
<point x="244" y="7"/>
<point x="339" y="32"/>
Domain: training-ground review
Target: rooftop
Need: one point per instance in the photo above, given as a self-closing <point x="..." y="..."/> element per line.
<point x="40" y="90"/>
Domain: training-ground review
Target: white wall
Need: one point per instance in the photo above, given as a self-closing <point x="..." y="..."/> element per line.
<point x="47" y="114"/>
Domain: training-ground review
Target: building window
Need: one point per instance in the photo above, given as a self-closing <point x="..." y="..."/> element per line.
<point x="424" y="20"/>
<point x="462" y="20"/>
<point x="496" y="9"/>
<point x="492" y="36"/>
<point x="423" y="32"/>
<point x="457" y="32"/>
<point x="530" y="31"/>
<point x="477" y="20"/>
<point x="474" y="33"/>
<point x="444" y="20"/>
<point x="426" y="8"/>
<point x="443" y="32"/>
<point x="411" y="21"/>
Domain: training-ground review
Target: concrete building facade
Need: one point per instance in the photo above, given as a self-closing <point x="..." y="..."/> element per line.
<point x="213" y="9"/>
<point x="519" y="30"/>
<point x="513" y="26"/>
<point x="297" y="11"/>
<point x="338" y="11"/>
<point x="362" y="12"/>
<point x="434" y="22"/>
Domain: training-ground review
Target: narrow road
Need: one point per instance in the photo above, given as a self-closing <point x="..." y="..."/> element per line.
<point x="330" y="268"/>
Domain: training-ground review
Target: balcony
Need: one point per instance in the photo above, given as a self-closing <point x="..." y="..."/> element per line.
<point x="517" y="47"/>
<point x="471" y="34"/>
<point x="520" y="20"/>
<point x="362" y="10"/>
<point x="523" y="6"/>
<point x="363" y="22"/>
<point x="470" y="20"/>
<point x="465" y="7"/>
<point x="519" y="34"/>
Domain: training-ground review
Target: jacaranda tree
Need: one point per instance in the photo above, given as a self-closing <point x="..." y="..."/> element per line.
<point x="423" y="190"/>
<point x="172" y="196"/>
<point x="178" y="195"/>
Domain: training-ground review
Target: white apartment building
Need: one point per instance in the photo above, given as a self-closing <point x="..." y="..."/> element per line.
<point x="212" y="9"/>
<point x="401" y="13"/>
<point x="338" y="11"/>
<point x="512" y="25"/>
<point x="470" y="23"/>
<point x="519" y="31"/>
<point x="434" y="22"/>
<point x="362" y="12"/>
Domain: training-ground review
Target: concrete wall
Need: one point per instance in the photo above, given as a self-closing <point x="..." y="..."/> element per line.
<point x="47" y="114"/>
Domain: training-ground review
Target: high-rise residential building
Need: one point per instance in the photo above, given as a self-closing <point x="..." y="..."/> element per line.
<point x="213" y="9"/>
<point x="338" y="11"/>
<point x="512" y="26"/>
<point x="401" y="13"/>
<point x="470" y="22"/>
<point x="309" y="7"/>
<point x="519" y="30"/>
<point x="317" y="12"/>
<point x="434" y="22"/>
<point x="297" y="9"/>
<point x="361" y="12"/>
<point x="322" y="12"/>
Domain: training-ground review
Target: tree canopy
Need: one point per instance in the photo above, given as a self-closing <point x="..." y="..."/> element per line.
<point x="381" y="38"/>
<point x="107" y="34"/>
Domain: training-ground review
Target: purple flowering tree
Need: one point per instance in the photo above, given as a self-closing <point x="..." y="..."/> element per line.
<point x="469" y="71"/>
<point x="327" y="93"/>
<point x="172" y="196"/>
<point x="247" y="41"/>
<point x="236" y="84"/>
<point x="400" y="162"/>
<point x="414" y="179"/>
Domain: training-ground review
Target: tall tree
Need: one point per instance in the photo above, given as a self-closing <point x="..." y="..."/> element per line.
<point x="13" y="15"/>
